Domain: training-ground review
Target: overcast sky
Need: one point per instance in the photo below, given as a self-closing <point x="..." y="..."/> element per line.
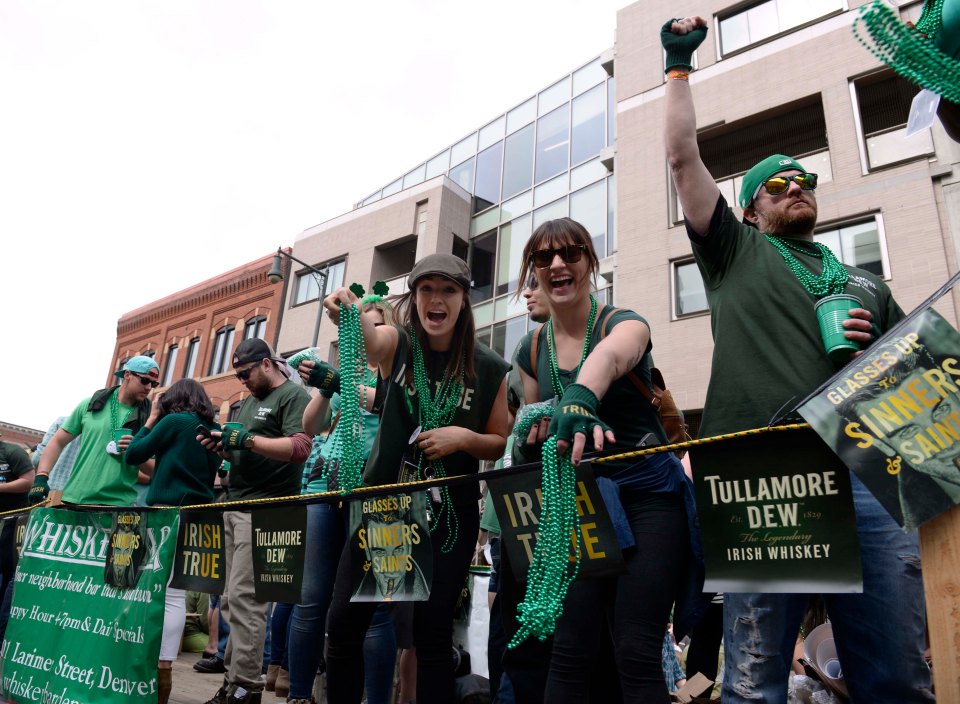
<point x="148" y="146"/>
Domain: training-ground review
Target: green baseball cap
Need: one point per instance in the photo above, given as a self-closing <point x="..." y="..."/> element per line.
<point x="755" y="177"/>
<point x="141" y="364"/>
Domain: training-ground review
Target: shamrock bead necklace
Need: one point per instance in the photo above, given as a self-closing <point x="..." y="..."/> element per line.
<point x="833" y="278"/>
<point x="554" y="370"/>
<point x="436" y="413"/>
<point x="551" y="572"/>
<point x="347" y="440"/>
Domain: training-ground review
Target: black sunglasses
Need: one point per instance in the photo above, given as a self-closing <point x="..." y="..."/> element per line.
<point x="244" y="374"/>
<point x="146" y="381"/>
<point x="570" y="254"/>
<point x="779" y="184"/>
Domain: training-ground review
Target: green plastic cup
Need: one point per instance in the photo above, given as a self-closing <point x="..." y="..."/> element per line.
<point x="118" y="435"/>
<point x="831" y="312"/>
<point x="232" y="426"/>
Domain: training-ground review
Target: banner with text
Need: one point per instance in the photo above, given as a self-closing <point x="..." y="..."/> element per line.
<point x="279" y="550"/>
<point x="893" y="416"/>
<point x="200" y="560"/>
<point x="72" y="638"/>
<point x="390" y="549"/>
<point x="518" y="499"/>
<point x="776" y="515"/>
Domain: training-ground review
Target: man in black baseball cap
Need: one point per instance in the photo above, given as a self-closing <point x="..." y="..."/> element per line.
<point x="266" y="447"/>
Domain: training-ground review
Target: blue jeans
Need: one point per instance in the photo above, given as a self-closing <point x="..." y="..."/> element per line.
<point x="279" y="624"/>
<point x="380" y="657"/>
<point x="879" y="634"/>
<point x="324" y="540"/>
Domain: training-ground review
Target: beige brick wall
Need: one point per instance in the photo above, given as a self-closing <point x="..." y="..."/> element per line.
<point x="355" y="235"/>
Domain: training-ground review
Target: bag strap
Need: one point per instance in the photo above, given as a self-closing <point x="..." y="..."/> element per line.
<point x="656" y="377"/>
<point x="534" y="344"/>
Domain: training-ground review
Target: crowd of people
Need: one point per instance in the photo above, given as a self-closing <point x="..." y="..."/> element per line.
<point x="439" y="404"/>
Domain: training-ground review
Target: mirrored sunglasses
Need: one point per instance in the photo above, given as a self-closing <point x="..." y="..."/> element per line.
<point x="779" y="184"/>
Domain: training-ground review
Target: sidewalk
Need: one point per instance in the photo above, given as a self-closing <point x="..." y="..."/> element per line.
<point x="192" y="687"/>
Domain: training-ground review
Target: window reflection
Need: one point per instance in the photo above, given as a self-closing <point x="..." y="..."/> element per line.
<point x="518" y="162"/>
<point x="553" y="143"/>
<point x="462" y="175"/>
<point x="588" y="206"/>
<point x="513" y="238"/>
<point x="487" y="190"/>
<point x="588" y="125"/>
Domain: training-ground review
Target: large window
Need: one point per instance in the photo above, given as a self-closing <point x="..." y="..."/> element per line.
<point x="858" y="243"/>
<point x="190" y="368"/>
<point x="489" y="165"/>
<point x="172" y="353"/>
<point x="483" y="251"/>
<point x="308" y="283"/>
<point x="553" y="143"/>
<point x="518" y="162"/>
<point x="767" y="19"/>
<point x="222" y="347"/>
<point x="589" y="118"/>
<point x="255" y="327"/>
<point x="882" y="102"/>
<point x="689" y="293"/>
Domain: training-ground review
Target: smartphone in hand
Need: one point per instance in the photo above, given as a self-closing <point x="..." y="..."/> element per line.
<point x="203" y="430"/>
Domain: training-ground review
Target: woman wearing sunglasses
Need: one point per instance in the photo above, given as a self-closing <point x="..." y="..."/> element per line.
<point x="184" y="474"/>
<point x="591" y="357"/>
<point x="444" y="410"/>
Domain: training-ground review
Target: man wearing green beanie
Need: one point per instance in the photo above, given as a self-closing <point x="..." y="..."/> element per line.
<point x="763" y="277"/>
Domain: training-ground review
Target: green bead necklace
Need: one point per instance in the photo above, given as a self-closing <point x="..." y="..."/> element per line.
<point x="551" y="571"/>
<point x="436" y="412"/>
<point x="115" y="422"/>
<point x="833" y="277"/>
<point x="554" y="371"/>
<point x="910" y="51"/>
<point x="348" y="445"/>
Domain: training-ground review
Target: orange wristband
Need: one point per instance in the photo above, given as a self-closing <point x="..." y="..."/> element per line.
<point x="678" y="75"/>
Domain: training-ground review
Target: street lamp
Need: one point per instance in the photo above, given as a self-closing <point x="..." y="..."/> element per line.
<point x="275" y="276"/>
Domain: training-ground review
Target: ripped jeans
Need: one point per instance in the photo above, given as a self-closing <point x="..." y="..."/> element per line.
<point x="879" y="634"/>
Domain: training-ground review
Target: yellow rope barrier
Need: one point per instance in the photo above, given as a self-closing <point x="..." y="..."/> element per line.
<point x="411" y="486"/>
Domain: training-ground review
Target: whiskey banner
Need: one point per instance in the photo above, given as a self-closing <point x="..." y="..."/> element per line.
<point x="279" y="550"/>
<point x="893" y="417"/>
<point x="71" y="637"/>
<point x="518" y="499"/>
<point x="200" y="561"/>
<point x="776" y="515"/>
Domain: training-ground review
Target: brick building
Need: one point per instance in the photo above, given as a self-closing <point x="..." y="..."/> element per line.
<point x="20" y="435"/>
<point x="194" y="332"/>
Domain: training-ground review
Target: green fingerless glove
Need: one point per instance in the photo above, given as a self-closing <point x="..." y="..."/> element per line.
<point x="39" y="490"/>
<point x="577" y="413"/>
<point x="236" y="439"/>
<point x="680" y="47"/>
<point x="326" y="378"/>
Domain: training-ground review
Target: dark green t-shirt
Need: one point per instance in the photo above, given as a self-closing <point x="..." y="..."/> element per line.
<point x="14" y="463"/>
<point x="624" y="407"/>
<point x="401" y="411"/>
<point x="185" y="472"/>
<point x="278" y="415"/>
<point x="768" y="353"/>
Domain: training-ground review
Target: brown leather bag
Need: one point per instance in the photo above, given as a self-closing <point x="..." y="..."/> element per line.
<point x="669" y="414"/>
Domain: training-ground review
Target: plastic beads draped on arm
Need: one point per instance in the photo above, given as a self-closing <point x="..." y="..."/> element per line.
<point x="530" y="415"/>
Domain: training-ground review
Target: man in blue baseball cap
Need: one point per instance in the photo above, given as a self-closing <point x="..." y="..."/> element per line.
<point x="108" y="421"/>
<point x="763" y="276"/>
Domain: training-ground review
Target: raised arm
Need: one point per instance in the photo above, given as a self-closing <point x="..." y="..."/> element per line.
<point x="696" y="188"/>
<point x="380" y="342"/>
